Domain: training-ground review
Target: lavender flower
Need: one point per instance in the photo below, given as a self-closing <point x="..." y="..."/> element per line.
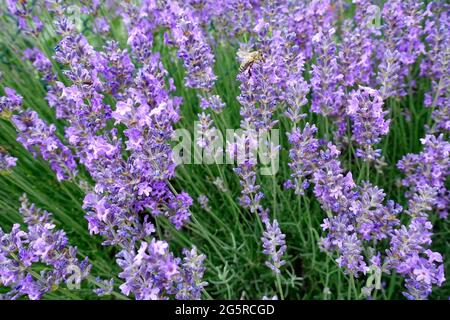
<point x="9" y="103"/>
<point x="296" y="90"/>
<point x="119" y="112"/>
<point x="262" y="84"/>
<point x="23" y="12"/>
<point x="274" y="245"/>
<point x="408" y="256"/>
<point x="120" y="184"/>
<point x="40" y="62"/>
<point x="192" y="274"/>
<point x="198" y="60"/>
<point x="388" y="74"/>
<point x="436" y="64"/>
<point x="203" y="200"/>
<point x="192" y="49"/>
<point x="235" y="17"/>
<point x="42" y="244"/>
<point x="250" y="195"/>
<point x="368" y="123"/>
<point x="262" y="90"/>
<point x="40" y="139"/>
<point x="358" y="45"/>
<point x="106" y="287"/>
<point x="303" y="155"/>
<point x="306" y="19"/>
<point x="6" y="161"/>
<point x="206" y="131"/>
<point x="151" y="273"/>
<point x="213" y="102"/>
<point x="374" y="221"/>
<point x="428" y="169"/>
<point x="402" y="30"/>
<point x="351" y="257"/>
<point x="326" y="76"/>
<point x="140" y="42"/>
<point x="357" y="214"/>
<point x="117" y="68"/>
<point x="208" y="138"/>
<point x="101" y="25"/>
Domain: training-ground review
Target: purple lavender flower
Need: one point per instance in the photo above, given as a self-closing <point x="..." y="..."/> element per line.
<point x="303" y="156"/>
<point x="40" y="139"/>
<point x="40" y="62"/>
<point x="192" y="274"/>
<point x="368" y="123"/>
<point x="6" y="160"/>
<point x="106" y="287"/>
<point x="234" y="17"/>
<point x="357" y="214"/>
<point x="124" y="188"/>
<point x="402" y="29"/>
<point x="23" y="12"/>
<point x="335" y="192"/>
<point x="296" y="89"/>
<point x="274" y="245"/>
<point x="213" y="102"/>
<point x="374" y="221"/>
<point x="203" y="200"/>
<point x="408" y="255"/>
<point x="388" y="74"/>
<point x="326" y="76"/>
<point x="101" y="25"/>
<point x="206" y="131"/>
<point x="40" y="244"/>
<point x="9" y="103"/>
<point x="192" y="49"/>
<point x="351" y="257"/>
<point x="117" y="68"/>
<point x="151" y="273"/>
<point x="358" y="45"/>
<point x="250" y="195"/>
<point x="306" y="19"/>
<point x="119" y="112"/>
<point x="208" y="138"/>
<point x="262" y="83"/>
<point x="435" y="64"/>
<point x="428" y="169"/>
<point x="141" y="43"/>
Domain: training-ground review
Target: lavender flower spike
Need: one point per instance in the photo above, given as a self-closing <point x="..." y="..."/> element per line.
<point x="274" y="245"/>
<point x="368" y="121"/>
<point x="40" y="139"/>
<point x="9" y="103"/>
<point x="41" y="243"/>
<point x="6" y="161"/>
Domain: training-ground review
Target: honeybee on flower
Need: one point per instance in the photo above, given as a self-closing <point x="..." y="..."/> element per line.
<point x="248" y="58"/>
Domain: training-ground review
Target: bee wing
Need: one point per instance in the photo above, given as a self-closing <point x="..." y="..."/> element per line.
<point x="243" y="55"/>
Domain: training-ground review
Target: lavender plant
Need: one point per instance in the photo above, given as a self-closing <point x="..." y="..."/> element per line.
<point x="99" y="101"/>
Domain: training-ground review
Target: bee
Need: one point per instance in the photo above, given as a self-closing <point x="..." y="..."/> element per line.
<point x="248" y="59"/>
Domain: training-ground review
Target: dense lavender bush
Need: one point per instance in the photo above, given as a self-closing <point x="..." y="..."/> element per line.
<point x="224" y="149"/>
